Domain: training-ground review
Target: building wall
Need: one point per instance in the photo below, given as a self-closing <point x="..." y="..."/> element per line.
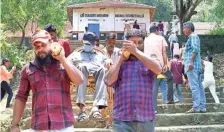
<point x="110" y="19"/>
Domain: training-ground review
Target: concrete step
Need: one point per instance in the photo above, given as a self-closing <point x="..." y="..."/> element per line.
<point x="181" y="108"/>
<point x="180" y="119"/>
<point x="189" y="95"/>
<point x="184" y="95"/>
<point x="218" y="89"/>
<point x="189" y="100"/>
<point x="193" y="128"/>
<point x="161" y="108"/>
<point x="92" y="130"/>
<point x="162" y="120"/>
<point x="91" y="123"/>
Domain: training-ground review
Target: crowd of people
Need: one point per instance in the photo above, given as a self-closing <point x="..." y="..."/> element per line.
<point x="135" y="73"/>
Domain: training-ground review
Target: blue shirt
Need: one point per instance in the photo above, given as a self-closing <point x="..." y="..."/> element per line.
<point x="192" y="45"/>
<point x="133" y="93"/>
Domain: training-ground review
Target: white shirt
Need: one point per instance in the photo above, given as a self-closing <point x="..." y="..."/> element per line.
<point x="154" y="45"/>
<point x="176" y="49"/>
<point x="114" y="55"/>
<point x="208" y="72"/>
<point x="173" y="37"/>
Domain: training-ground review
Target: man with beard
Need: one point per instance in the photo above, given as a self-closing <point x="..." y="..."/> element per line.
<point x="89" y="62"/>
<point x="49" y="79"/>
<point x="112" y="51"/>
<point x="51" y="29"/>
<point x="133" y="79"/>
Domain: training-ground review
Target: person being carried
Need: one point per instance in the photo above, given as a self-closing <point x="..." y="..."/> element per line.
<point x="89" y="62"/>
<point x="4" y="78"/>
<point x="132" y="77"/>
<point x="209" y="79"/>
<point x="51" y="29"/>
<point x="48" y="76"/>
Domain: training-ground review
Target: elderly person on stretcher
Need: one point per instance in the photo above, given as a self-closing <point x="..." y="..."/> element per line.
<point x="89" y="62"/>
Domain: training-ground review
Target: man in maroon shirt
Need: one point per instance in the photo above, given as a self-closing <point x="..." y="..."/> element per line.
<point x="49" y="79"/>
<point x="64" y="43"/>
<point x="161" y="28"/>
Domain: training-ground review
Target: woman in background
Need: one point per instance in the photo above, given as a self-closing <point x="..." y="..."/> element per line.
<point x="5" y="76"/>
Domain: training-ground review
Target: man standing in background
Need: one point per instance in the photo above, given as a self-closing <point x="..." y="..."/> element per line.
<point x="51" y="29"/>
<point x="193" y="67"/>
<point x="161" y="28"/>
<point x="156" y="45"/>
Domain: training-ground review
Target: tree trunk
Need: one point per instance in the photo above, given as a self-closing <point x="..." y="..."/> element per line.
<point x="23" y="28"/>
<point x="181" y="26"/>
<point x="22" y="39"/>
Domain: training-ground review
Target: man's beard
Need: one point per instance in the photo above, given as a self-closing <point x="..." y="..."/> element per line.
<point x="44" y="61"/>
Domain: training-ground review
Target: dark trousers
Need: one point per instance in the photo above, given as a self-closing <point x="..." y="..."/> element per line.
<point x="5" y="88"/>
<point x="169" y="77"/>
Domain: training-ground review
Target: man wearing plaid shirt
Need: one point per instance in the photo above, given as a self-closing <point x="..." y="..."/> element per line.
<point x="192" y="61"/>
<point x="133" y="79"/>
<point x="49" y="79"/>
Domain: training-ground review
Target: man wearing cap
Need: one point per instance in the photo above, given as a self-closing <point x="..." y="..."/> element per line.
<point x="89" y="62"/>
<point x="49" y="79"/>
<point x="193" y="68"/>
<point x="64" y="43"/>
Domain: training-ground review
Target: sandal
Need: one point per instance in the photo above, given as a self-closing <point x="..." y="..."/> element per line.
<point x="82" y="116"/>
<point x="96" y="114"/>
<point x="192" y="111"/>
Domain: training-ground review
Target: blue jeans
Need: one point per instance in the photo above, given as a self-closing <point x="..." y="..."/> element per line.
<point x="159" y="82"/>
<point x="177" y="92"/>
<point x="133" y="126"/>
<point x="198" y="92"/>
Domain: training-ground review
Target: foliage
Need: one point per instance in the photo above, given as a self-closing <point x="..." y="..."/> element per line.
<point x="17" y="13"/>
<point x="216" y="31"/>
<point x="9" y="50"/>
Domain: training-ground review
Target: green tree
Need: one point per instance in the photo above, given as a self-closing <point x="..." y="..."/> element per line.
<point x="163" y="8"/>
<point x="218" y="11"/>
<point x="16" y="14"/>
<point x="184" y="9"/>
